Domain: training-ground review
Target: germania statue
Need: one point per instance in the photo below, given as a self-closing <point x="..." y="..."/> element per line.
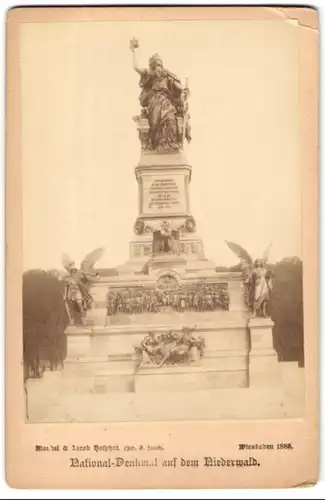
<point x="164" y="104"/>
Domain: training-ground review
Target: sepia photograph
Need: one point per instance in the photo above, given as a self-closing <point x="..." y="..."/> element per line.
<point x="162" y="229"/>
<point x="163" y="255"/>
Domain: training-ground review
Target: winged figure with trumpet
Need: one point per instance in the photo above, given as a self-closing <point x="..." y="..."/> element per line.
<point x="77" y="284"/>
<point x="257" y="279"/>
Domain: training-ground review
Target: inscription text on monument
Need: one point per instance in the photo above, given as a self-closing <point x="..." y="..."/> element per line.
<point x="163" y="193"/>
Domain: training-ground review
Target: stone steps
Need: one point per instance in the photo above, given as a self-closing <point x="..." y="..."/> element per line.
<point x="212" y="404"/>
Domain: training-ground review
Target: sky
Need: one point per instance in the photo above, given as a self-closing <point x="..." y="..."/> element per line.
<point x="80" y="146"/>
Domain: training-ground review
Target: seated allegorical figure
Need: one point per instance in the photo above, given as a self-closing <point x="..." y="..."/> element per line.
<point x="166" y="240"/>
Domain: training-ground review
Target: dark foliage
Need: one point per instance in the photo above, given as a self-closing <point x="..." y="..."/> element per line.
<point x="286" y="310"/>
<point x="44" y="322"/>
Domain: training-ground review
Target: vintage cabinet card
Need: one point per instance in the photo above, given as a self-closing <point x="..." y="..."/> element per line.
<point x="162" y="232"/>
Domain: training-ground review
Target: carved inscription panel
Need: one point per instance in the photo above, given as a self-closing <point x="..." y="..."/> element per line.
<point x="163" y="194"/>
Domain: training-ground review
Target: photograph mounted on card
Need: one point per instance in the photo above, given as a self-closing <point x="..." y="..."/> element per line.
<point x="162" y="261"/>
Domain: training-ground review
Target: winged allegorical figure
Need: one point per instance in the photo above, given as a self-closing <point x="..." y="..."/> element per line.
<point x="78" y="282"/>
<point x="256" y="277"/>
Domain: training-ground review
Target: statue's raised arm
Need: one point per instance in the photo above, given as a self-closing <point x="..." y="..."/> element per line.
<point x="134" y="44"/>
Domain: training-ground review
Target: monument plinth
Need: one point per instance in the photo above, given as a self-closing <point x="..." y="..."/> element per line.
<point x="164" y="200"/>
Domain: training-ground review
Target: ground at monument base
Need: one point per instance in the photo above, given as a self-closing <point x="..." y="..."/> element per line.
<point x="48" y="402"/>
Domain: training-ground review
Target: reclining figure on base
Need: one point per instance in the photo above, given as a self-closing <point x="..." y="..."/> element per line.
<point x="171" y="348"/>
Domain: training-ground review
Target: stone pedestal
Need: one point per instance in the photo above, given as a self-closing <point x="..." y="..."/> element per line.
<point x="189" y="378"/>
<point x="163" y="195"/>
<point x="100" y="383"/>
<point x="159" y="264"/>
<point x="264" y="369"/>
<point x="105" y="356"/>
<point x="98" y="313"/>
<point x="163" y="181"/>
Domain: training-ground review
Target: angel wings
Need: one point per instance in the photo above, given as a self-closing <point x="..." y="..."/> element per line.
<point x="256" y="279"/>
<point x="244" y="256"/>
<point x="87" y="264"/>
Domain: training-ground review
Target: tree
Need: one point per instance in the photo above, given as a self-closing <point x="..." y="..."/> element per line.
<point x="44" y="322"/>
<point x="286" y="310"/>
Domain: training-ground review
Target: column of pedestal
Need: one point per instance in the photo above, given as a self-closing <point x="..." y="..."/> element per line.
<point x="166" y="179"/>
<point x="264" y="369"/>
<point x="97" y="315"/>
<point x="159" y="175"/>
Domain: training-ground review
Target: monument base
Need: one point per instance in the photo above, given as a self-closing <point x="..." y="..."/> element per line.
<point x="59" y="398"/>
<point x="191" y="250"/>
<point x="170" y="261"/>
<point x="238" y="377"/>
<point x="190" y="378"/>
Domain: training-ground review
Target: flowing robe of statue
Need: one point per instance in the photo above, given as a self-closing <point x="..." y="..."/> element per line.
<point x="260" y="287"/>
<point x="161" y="97"/>
<point x="164" y="101"/>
